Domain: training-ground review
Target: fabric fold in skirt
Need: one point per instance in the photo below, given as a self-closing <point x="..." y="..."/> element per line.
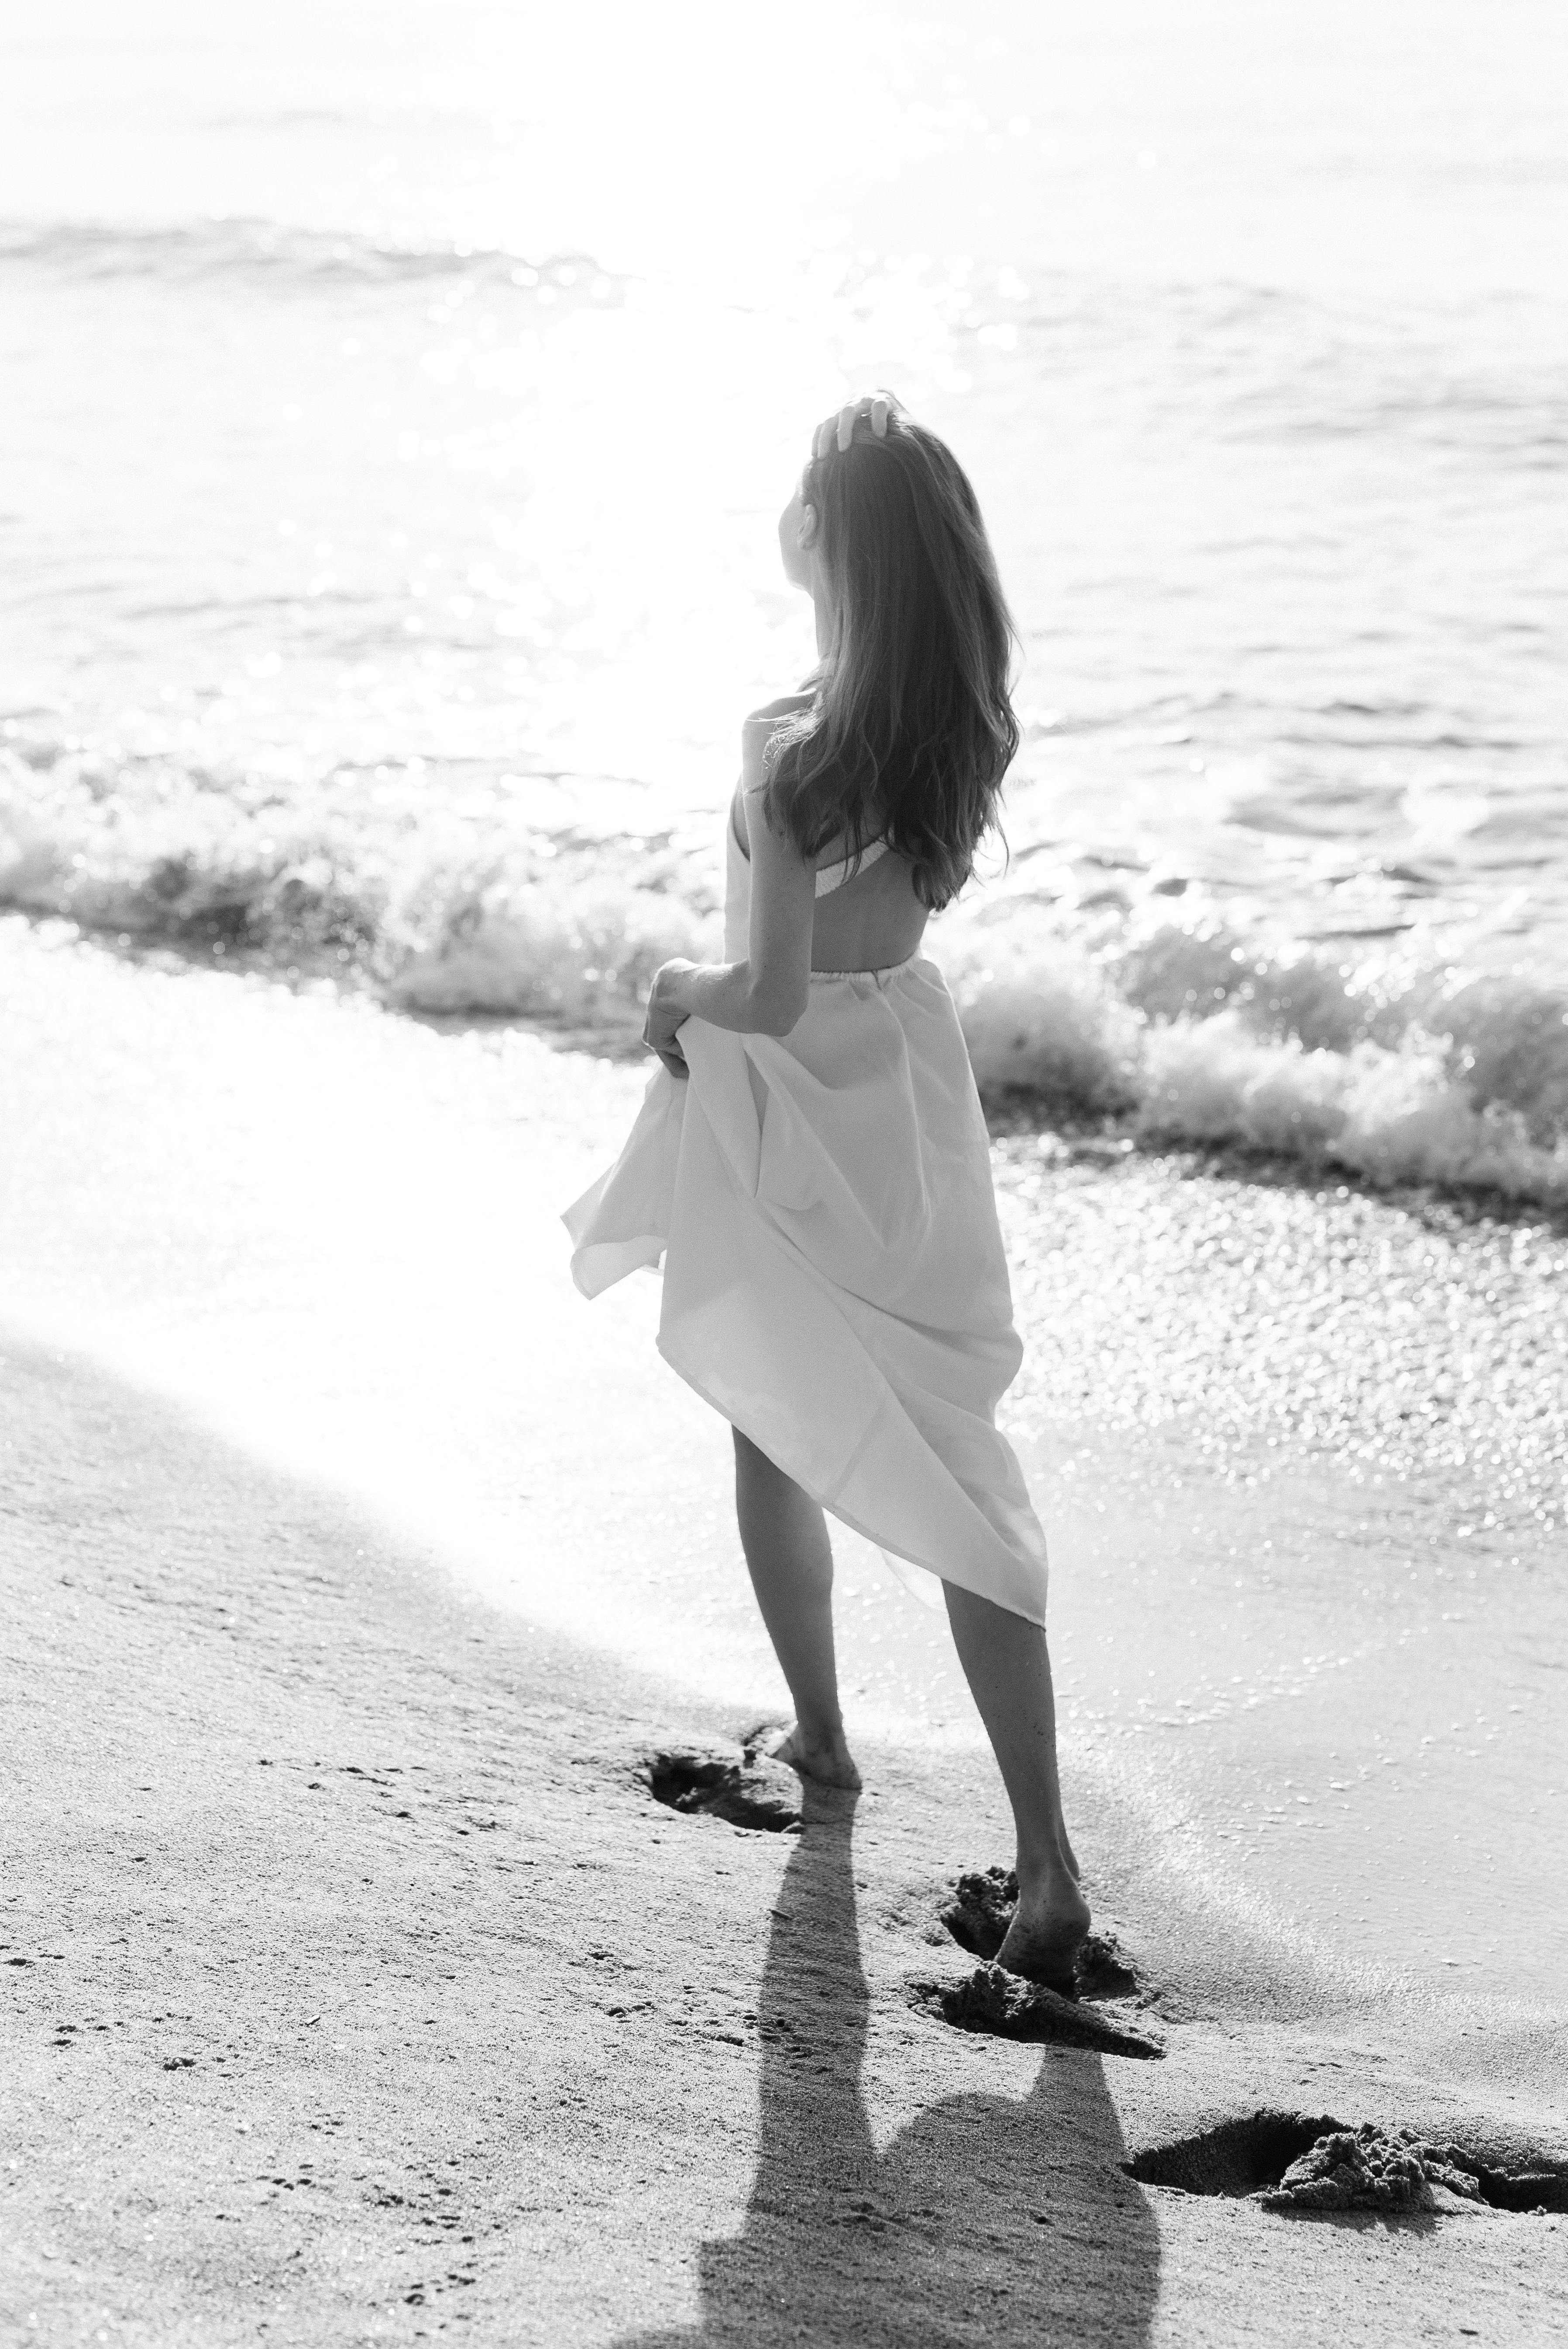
<point x="834" y="1280"/>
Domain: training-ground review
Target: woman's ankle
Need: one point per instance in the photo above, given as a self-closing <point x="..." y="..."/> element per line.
<point x="1046" y="1873"/>
<point x="825" y="1756"/>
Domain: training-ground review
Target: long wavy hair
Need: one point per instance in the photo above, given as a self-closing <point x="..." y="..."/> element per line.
<point x="911" y="728"/>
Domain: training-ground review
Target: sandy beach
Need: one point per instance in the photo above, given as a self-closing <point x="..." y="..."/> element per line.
<point x="338" y="1532"/>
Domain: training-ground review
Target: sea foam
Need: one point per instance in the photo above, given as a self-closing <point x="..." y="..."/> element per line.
<point x="1198" y="1034"/>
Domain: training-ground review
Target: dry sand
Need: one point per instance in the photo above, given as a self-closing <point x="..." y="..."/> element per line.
<point x="355" y="1986"/>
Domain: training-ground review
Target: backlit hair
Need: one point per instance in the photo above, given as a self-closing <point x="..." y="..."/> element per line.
<point x="912" y="730"/>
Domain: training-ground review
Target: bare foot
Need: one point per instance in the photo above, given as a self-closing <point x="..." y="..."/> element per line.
<point x="1045" y="1935"/>
<point x="827" y="1759"/>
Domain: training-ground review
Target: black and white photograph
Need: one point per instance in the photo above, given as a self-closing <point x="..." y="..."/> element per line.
<point x="784" y="1130"/>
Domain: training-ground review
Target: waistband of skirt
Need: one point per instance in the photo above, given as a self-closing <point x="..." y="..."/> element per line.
<point x="878" y="977"/>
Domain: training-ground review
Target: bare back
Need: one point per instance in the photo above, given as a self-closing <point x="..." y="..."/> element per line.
<point x="873" y="919"/>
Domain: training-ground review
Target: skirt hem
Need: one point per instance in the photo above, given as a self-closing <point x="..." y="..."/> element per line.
<point x="834" y="1508"/>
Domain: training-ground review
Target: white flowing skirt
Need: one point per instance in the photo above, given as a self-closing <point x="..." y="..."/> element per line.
<point x="834" y="1279"/>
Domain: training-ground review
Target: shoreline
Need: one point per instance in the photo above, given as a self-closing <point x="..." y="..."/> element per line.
<point x="1011" y="1109"/>
<point x="309" y="1463"/>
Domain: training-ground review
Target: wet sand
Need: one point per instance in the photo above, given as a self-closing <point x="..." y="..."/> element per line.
<point x="354" y="1570"/>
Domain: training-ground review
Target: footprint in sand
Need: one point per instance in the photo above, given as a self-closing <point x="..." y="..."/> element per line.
<point x="981" y="1909"/>
<point x="1303" y="2166"/>
<point x="992" y="2001"/>
<point x="743" y="1787"/>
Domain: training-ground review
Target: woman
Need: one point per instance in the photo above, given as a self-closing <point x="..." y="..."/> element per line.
<point x="811" y="1159"/>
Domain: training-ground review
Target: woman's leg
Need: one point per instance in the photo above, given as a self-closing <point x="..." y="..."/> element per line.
<point x="785" y="1537"/>
<point x="1008" y="1669"/>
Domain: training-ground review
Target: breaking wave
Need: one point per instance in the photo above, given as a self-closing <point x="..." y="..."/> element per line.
<point x="1399" y="1073"/>
<point x="1195" y="1035"/>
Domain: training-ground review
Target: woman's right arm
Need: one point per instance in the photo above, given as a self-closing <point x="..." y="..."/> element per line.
<point x="765" y="992"/>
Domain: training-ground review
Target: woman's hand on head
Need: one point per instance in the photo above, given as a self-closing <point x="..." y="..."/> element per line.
<point x="664" y="1018"/>
<point x="872" y="406"/>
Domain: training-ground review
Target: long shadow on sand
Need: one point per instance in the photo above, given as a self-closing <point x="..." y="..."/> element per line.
<point x="220" y="1611"/>
<point x="990" y="2218"/>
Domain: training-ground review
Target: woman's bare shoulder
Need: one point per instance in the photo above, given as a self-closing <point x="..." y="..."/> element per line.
<point x="757" y="733"/>
<point x="761" y="723"/>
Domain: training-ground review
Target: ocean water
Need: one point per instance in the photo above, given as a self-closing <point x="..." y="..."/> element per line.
<point x="399" y="400"/>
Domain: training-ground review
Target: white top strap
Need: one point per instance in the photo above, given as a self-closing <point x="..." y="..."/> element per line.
<point x="833" y="876"/>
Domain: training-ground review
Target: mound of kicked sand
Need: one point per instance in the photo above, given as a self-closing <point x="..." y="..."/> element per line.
<point x="1370" y="2168"/>
<point x="992" y="2001"/>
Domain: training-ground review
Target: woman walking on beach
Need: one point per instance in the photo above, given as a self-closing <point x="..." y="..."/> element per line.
<point x="811" y="1159"/>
